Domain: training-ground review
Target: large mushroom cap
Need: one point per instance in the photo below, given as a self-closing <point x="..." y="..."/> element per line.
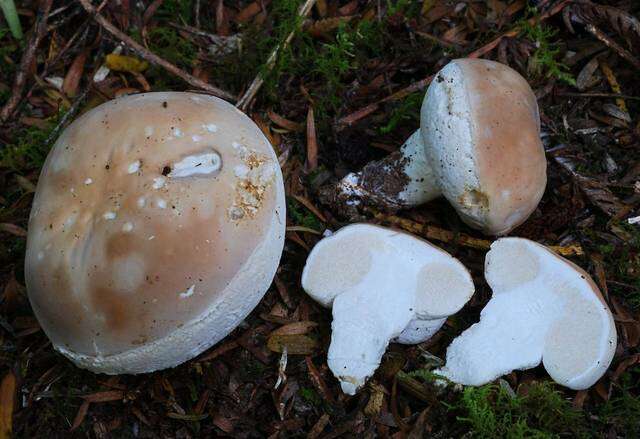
<point x="157" y="226"/>
<point x="544" y="308"/>
<point x="481" y="128"/>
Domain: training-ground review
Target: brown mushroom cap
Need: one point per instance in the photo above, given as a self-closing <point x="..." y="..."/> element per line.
<point x="157" y="225"/>
<point x="481" y="128"/>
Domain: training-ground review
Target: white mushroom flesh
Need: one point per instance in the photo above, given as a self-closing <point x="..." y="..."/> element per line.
<point x="543" y="309"/>
<point x="378" y="282"/>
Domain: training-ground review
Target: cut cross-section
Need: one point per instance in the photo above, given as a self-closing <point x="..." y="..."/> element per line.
<point x="544" y="309"/>
<point x="382" y="284"/>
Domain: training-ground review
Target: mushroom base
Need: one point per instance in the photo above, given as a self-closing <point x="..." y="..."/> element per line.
<point x="402" y="179"/>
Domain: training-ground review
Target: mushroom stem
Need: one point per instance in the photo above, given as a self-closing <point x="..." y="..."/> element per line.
<point x="402" y="179"/>
<point x="365" y="319"/>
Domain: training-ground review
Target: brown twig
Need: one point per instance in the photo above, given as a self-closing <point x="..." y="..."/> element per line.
<point x="247" y="97"/>
<point x="26" y="61"/>
<point x="598" y="95"/>
<point x="624" y="53"/>
<point x="423" y="83"/>
<point x="439" y="234"/>
<point x="152" y="57"/>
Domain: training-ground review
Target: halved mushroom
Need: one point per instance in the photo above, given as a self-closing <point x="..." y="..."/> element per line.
<point x="381" y="284"/>
<point x="478" y="145"/>
<point x="544" y="308"/>
<point x="157" y="226"/>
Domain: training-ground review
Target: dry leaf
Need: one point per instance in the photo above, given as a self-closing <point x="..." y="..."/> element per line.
<point x="13" y="229"/>
<point x="319" y="28"/>
<point x="73" y="76"/>
<point x="296" y="328"/>
<point x="296" y="344"/>
<point x="285" y="123"/>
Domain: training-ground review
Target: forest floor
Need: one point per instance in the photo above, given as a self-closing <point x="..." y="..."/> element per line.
<point x="346" y="90"/>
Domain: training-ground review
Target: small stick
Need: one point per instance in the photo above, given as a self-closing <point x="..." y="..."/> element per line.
<point x="247" y="97"/>
<point x="613" y="45"/>
<point x="599" y="95"/>
<point x="417" y="86"/>
<point x="26" y="61"/>
<point x="439" y="234"/>
<point x="152" y="57"/>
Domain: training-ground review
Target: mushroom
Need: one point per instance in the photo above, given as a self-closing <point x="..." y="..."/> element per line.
<point x="157" y="226"/>
<point x="382" y="284"/>
<point x="543" y="308"/>
<point x="478" y="145"/>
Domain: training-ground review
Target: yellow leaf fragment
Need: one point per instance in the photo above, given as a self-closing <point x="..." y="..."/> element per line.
<point x="122" y="63"/>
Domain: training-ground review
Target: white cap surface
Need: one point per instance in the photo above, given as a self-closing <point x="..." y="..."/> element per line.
<point x="381" y="284"/>
<point x="481" y="130"/>
<point x="157" y="226"/>
<point x="544" y="308"/>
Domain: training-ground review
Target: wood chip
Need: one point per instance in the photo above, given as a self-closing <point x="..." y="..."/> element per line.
<point x="82" y="413"/>
<point x="7" y="404"/>
<point x="318" y="427"/>
<point x="312" y="141"/>
<point x="318" y="381"/>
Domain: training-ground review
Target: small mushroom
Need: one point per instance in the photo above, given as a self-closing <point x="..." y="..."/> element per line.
<point x="157" y="226"/>
<point x="381" y="284"/>
<point x="478" y="145"/>
<point x="544" y="308"/>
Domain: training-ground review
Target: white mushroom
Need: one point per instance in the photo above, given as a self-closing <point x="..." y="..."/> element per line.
<point x="167" y="250"/>
<point x="381" y="284"/>
<point x="478" y="145"/>
<point x="544" y="308"/>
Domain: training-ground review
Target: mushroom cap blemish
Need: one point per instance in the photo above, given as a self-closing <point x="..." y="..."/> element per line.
<point x="125" y="258"/>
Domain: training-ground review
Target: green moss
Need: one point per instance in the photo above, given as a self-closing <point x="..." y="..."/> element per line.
<point x="407" y="8"/>
<point x="301" y="216"/>
<point x="542" y="412"/>
<point x="406" y="110"/>
<point x="622" y="411"/>
<point x="543" y="61"/>
<point x="8" y="48"/>
<point x="168" y="44"/>
<point x="175" y="10"/>
<point x="311" y="396"/>
<point x="28" y="150"/>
